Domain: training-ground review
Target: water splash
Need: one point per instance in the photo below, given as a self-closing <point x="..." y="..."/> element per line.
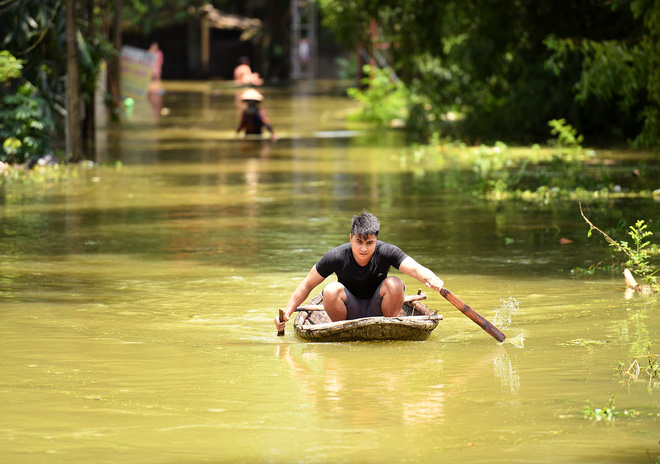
<point x="503" y="317"/>
<point x="518" y="340"/>
<point x="505" y="312"/>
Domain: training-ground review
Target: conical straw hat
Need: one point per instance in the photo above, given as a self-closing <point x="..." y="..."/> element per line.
<point x="251" y="95"/>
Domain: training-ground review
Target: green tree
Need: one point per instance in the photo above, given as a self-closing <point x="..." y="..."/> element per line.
<point x="23" y="129"/>
<point x="35" y="32"/>
<point x="621" y="69"/>
<point x="486" y="59"/>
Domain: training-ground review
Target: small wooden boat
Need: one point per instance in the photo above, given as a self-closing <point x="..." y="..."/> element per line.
<point x="414" y="322"/>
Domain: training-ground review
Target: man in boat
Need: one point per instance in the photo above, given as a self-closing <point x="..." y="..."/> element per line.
<point x="363" y="288"/>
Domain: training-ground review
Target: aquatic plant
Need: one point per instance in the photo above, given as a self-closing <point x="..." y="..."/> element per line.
<point x="630" y="373"/>
<point x="563" y="170"/>
<point x="608" y="413"/>
<point x="567" y="136"/>
<point x="638" y="254"/>
<point x="635" y="370"/>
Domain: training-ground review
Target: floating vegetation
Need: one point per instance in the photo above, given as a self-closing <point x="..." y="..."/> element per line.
<point x="561" y="171"/>
<point x="584" y="342"/>
<point x="630" y="373"/>
<point x="608" y="413"/>
<point x="49" y="174"/>
<point x="650" y="370"/>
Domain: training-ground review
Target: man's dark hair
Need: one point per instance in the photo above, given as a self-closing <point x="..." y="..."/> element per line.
<point x="365" y="224"/>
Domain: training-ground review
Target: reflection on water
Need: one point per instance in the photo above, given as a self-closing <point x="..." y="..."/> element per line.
<point x="333" y="383"/>
<point x="136" y="304"/>
<point x="505" y="371"/>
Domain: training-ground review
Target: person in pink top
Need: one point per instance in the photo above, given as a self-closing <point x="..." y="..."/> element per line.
<point x="243" y="74"/>
<point x="157" y="70"/>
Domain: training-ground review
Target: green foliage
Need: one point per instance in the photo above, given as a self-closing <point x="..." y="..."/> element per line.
<point x="146" y="16"/>
<point x="567" y="135"/>
<point x="651" y="369"/>
<point x="345" y="67"/>
<point x="562" y="171"/>
<point x="493" y="66"/>
<point x="638" y="254"/>
<point x="24" y="127"/>
<point x="35" y="31"/>
<point x="384" y="100"/>
<point x="629" y="374"/>
<point x="607" y="413"/>
<point x="623" y="70"/>
<point x="10" y="67"/>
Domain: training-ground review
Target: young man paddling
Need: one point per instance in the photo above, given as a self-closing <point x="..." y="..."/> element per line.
<point x="363" y="288"/>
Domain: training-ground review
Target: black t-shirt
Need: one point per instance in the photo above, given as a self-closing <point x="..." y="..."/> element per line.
<point x="361" y="281"/>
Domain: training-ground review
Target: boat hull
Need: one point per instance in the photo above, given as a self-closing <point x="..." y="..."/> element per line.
<point x="316" y="326"/>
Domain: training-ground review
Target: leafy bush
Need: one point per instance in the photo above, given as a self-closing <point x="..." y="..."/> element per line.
<point x="639" y="253"/>
<point x="567" y="135"/>
<point x="24" y="128"/>
<point x="10" y="67"/>
<point x="384" y="100"/>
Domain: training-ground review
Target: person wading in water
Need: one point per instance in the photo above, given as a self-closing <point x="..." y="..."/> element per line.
<point x="254" y="118"/>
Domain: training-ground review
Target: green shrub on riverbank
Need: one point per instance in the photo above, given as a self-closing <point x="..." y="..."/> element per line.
<point x="25" y="126"/>
<point x="562" y="170"/>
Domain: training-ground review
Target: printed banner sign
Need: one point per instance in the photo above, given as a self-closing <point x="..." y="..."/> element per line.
<point x="136" y="67"/>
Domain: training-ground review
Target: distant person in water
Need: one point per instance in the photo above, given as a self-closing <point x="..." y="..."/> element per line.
<point x="157" y="70"/>
<point x="243" y="74"/>
<point x="253" y="117"/>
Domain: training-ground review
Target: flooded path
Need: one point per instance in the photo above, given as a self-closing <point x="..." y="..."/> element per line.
<point x="137" y="301"/>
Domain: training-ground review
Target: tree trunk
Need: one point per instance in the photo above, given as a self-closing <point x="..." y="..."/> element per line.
<point x="89" y="128"/>
<point x="114" y="65"/>
<point x="73" y="85"/>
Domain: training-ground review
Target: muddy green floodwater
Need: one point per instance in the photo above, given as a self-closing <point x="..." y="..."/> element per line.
<point x="136" y="305"/>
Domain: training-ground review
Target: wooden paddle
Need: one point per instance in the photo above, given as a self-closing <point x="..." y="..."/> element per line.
<point x="472" y="314"/>
<point x="280" y="333"/>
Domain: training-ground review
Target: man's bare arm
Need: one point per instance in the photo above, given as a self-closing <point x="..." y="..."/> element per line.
<point x="299" y="295"/>
<point x="415" y="270"/>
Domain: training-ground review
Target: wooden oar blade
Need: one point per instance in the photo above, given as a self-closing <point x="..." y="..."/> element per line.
<point x="477" y="318"/>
